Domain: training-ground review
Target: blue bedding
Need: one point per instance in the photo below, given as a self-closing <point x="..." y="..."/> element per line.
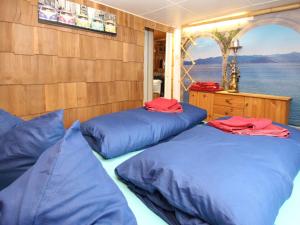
<point x="7" y="121"/>
<point x="205" y="176"/>
<point x="116" y="134"/>
<point x="66" y="186"/>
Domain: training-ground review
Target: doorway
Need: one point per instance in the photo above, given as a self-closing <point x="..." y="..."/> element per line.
<point x="158" y="64"/>
<point x="159" y="59"/>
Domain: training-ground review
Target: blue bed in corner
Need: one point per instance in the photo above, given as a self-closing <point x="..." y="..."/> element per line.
<point x="118" y="133"/>
<point x="205" y="176"/>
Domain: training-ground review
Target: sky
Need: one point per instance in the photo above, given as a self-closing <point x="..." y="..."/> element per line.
<point x="204" y="48"/>
<point x="262" y="40"/>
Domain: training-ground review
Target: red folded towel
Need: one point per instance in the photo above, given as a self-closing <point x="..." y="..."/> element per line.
<point x="164" y="105"/>
<point x="250" y="126"/>
<point x="238" y="123"/>
<point x="206" y="86"/>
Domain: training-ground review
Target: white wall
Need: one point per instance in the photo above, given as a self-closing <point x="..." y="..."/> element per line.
<point x="177" y="64"/>
<point x="168" y="65"/>
<point x="148" y="66"/>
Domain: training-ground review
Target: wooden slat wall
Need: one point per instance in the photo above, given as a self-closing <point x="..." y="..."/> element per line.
<point x="46" y="67"/>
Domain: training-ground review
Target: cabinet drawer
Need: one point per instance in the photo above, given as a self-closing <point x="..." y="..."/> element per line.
<point x="227" y="111"/>
<point x="193" y="98"/>
<point x="229" y="100"/>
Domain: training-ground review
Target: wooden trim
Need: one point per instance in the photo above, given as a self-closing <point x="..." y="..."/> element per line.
<point x="283" y="98"/>
<point x="245" y="15"/>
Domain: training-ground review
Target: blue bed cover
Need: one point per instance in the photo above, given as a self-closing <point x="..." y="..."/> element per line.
<point x="206" y="176"/>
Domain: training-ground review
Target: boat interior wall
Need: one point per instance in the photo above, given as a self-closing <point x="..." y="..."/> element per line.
<point x="46" y="67"/>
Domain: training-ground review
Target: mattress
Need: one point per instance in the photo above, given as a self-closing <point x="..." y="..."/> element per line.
<point x="288" y="214"/>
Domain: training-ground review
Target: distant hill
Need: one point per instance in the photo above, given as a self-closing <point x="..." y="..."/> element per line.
<point x="293" y="57"/>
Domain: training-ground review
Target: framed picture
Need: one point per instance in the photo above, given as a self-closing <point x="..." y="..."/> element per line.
<point x="68" y="13"/>
<point x="110" y="23"/>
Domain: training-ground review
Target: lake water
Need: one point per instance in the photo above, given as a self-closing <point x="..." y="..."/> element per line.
<point x="265" y="78"/>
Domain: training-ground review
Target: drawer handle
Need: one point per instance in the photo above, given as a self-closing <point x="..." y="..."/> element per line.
<point x="228" y="101"/>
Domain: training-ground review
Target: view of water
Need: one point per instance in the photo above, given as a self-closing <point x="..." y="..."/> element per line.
<point x="266" y="78"/>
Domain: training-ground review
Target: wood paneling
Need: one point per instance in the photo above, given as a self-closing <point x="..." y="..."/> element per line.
<point x="68" y="44"/>
<point x="47" y="41"/>
<point x="47" y="70"/>
<point x="5" y="37"/>
<point x="34" y="99"/>
<point x="8" y="10"/>
<point x="24" y="39"/>
<point x="87" y="47"/>
<point x="46" y="67"/>
<point x="54" y="97"/>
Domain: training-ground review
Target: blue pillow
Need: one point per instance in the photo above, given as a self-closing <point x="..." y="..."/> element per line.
<point x="7" y="121"/>
<point x="119" y="133"/>
<point x="23" y="144"/>
<point x="68" y="186"/>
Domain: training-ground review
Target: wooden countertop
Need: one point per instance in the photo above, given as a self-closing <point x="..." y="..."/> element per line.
<point x="283" y="98"/>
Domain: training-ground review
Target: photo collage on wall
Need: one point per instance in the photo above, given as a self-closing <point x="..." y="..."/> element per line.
<point x="77" y="15"/>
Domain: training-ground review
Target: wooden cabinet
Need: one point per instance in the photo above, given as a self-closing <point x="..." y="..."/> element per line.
<point x="203" y="100"/>
<point x="222" y="104"/>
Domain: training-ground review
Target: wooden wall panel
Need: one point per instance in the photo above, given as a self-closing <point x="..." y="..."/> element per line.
<point x="92" y="94"/>
<point x="117" y="70"/>
<point x="140" y="38"/>
<point x="105" y="95"/>
<point x="24" y="39"/>
<point x="47" y="70"/>
<point x="54" y="94"/>
<point x="34" y="99"/>
<point x="7" y="69"/>
<point x="102" y="49"/>
<point x="68" y="44"/>
<point x="72" y="69"/>
<point x="103" y="71"/>
<point x="82" y="94"/>
<point x="13" y="98"/>
<point x="116" y="49"/>
<point x="25" y="12"/>
<point x="47" y="41"/>
<point x="8" y="10"/>
<point x="46" y="67"/>
<point x="5" y="37"/>
<point x="70" y="95"/>
<point x="129" y="52"/>
<point x="87" y="47"/>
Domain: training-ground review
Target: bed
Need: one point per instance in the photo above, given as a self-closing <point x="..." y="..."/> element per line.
<point x="287" y="211"/>
<point x="118" y="133"/>
<point x="288" y="214"/>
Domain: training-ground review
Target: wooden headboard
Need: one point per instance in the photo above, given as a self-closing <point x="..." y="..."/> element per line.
<point x="46" y="67"/>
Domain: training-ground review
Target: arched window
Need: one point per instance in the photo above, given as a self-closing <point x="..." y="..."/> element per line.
<point x="270" y="63"/>
<point x="206" y="54"/>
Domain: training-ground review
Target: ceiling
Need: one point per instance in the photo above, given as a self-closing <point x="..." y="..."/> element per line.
<point x="178" y="12"/>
